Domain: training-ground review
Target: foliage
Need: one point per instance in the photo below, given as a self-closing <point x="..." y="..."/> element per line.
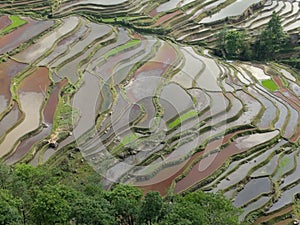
<point x="91" y="210"/>
<point x="51" y="205"/>
<point x="126" y="202"/>
<point x="185" y="116"/>
<point x="16" y="22"/>
<point x="202" y="208"/>
<point x="9" y="209"/>
<point x="151" y="208"/>
<point x="234" y="44"/>
<point x="296" y="209"/>
<point x="270" y="84"/>
<point x="36" y="195"/>
<point x="271" y="39"/>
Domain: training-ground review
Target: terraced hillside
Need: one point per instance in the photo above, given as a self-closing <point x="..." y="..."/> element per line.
<point x="130" y="86"/>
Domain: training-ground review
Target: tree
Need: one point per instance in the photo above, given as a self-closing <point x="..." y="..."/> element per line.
<point x="220" y="36"/>
<point x="202" y="208"/>
<point x="271" y="40"/>
<point x="233" y="44"/>
<point x="126" y="201"/>
<point x="151" y="208"/>
<point x="5" y="175"/>
<point x="9" y="209"/>
<point x="52" y="205"/>
<point x="94" y="211"/>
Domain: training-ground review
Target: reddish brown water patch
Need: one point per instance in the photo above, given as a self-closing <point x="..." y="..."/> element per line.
<point x="207" y="166"/>
<point x="10" y="119"/>
<point x="153" y="13"/>
<point x="48" y="113"/>
<point x="24" y="33"/>
<point x="31" y="95"/>
<point x="166" y="56"/>
<point x="288" y="93"/>
<point x="53" y="101"/>
<point x="166" y="17"/>
<point x="296" y="133"/>
<point x="4" y="21"/>
<point x="284" y="222"/>
<point x="164" y="179"/>
<point x="138" y="36"/>
<point x="7" y="71"/>
<point x="269" y="217"/>
<point x="38" y="81"/>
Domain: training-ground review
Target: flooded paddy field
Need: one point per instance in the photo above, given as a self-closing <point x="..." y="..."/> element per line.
<point x="146" y="104"/>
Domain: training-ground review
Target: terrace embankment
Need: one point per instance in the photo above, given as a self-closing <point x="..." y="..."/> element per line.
<point x="31" y="94"/>
<point x="8" y="70"/>
<point x="152" y="112"/>
<point x="47" y="125"/>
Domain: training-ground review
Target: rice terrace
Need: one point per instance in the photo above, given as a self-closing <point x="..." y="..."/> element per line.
<point x="173" y="96"/>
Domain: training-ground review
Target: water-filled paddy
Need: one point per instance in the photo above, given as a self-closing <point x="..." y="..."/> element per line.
<point x="233" y="9"/>
<point x="159" y="103"/>
<point x="253" y="189"/>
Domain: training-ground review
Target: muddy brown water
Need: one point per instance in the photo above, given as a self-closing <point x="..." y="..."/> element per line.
<point x="38" y="81"/>
<point x="10" y="119"/>
<point x="4" y="21"/>
<point x="31" y="96"/>
<point x="48" y="115"/>
<point x="165" y="56"/>
<point x="8" y="70"/>
<point x="207" y="166"/>
<point x="26" y="32"/>
<point x="289" y="97"/>
<point x="163" y="180"/>
<point x="166" y="17"/>
<point x="271" y="216"/>
<point x="30" y="104"/>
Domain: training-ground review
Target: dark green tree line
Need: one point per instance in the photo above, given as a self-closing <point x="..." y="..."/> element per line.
<point x="236" y="44"/>
<point x="38" y="196"/>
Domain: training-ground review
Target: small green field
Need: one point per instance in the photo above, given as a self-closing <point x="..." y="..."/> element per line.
<point x="16" y="22"/>
<point x="183" y="117"/>
<point x="269" y="84"/>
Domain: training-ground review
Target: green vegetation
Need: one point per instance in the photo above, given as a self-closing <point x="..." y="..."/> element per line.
<point x="128" y="139"/>
<point x="182" y="118"/>
<point x="270" y="84"/>
<point x="16" y="22"/>
<point x="121" y="48"/>
<point x="233" y="44"/>
<point x="39" y="195"/>
<point x="271" y="40"/>
<point x="296" y="209"/>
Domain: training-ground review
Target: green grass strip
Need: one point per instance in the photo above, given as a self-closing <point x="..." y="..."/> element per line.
<point x="270" y="85"/>
<point x="183" y="117"/>
<point x="125" y="140"/>
<point x="16" y="22"/>
<point x="121" y="48"/>
<point x="128" y="139"/>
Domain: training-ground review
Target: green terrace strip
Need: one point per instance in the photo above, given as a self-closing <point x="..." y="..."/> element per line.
<point x="16" y="22"/>
<point x="270" y="85"/>
<point x="183" y="117"/>
<point x="125" y="140"/>
<point x="121" y="48"/>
